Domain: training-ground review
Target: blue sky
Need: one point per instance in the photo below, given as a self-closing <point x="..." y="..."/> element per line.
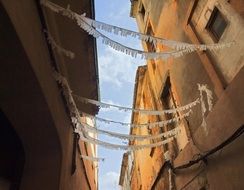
<point x="117" y="76"/>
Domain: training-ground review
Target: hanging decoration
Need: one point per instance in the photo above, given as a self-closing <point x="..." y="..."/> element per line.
<point x="141" y="111"/>
<point x="59" y="49"/>
<point x="89" y="128"/>
<point x="204" y="88"/>
<point x="125" y="32"/>
<point x="127" y="50"/>
<point x="83" y="132"/>
<point x="128" y="148"/>
<point x="150" y="125"/>
<point x="74" y="113"/>
<point x="91" y="158"/>
<point x="83" y="129"/>
<point x="147" y="38"/>
<point x="80" y="129"/>
<point x="113" y="44"/>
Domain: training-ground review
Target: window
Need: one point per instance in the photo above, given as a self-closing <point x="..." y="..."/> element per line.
<point x="152" y="151"/>
<point x="142" y="11"/>
<point x="151" y="47"/>
<point x="216" y="25"/>
<point x="168" y="102"/>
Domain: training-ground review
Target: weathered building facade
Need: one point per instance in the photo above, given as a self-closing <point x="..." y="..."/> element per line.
<point x="172" y="83"/>
<point x="38" y="148"/>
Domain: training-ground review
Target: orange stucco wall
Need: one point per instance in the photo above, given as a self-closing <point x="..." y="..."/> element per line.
<point x="221" y="70"/>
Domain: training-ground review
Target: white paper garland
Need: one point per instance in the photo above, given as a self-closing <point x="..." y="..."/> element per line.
<point x="115" y="45"/>
<point x="91" y="158"/>
<point x="125" y="32"/>
<point x="204" y="88"/>
<point x="150" y="125"/>
<point x="128" y="148"/>
<point x="59" y="49"/>
<point x="68" y="96"/>
<point x="127" y="50"/>
<point x="148" y="38"/>
<point x="89" y="128"/>
<point x="201" y="88"/>
<point x="83" y="132"/>
<point x="74" y="113"/>
<point x="141" y="111"/>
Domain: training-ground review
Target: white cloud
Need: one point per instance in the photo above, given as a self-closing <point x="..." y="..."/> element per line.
<point x="116" y="68"/>
<point x="109" y="181"/>
<point x="120" y="14"/>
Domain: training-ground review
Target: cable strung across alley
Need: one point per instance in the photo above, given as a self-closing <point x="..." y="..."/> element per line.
<point x="204" y="157"/>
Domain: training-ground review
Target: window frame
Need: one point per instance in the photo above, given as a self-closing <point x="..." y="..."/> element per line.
<point x="142" y="11"/>
<point x="151" y="47"/>
<point x="215" y="13"/>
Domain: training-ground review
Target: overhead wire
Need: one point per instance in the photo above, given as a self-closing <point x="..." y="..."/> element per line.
<point x="204" y="157"/>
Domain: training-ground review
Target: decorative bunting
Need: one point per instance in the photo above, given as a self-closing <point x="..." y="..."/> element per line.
<point x="91" y="158"/>
<point x="59" y="49"/>
<point x="83" y="132"/>
<point x="90" y="26"/>
<point x="150" y="125"/>
<point x="147" y="38"/>
<point x="204" y="88"/>
<point x="141" y="111"/>
<point x="89" y="128"/>
<point x="127" y="50"/>
<point x="84" y="24"/>
<point x="128" y="148"/>
<point x="68" y="95"/>
<point x="125" y="32"/>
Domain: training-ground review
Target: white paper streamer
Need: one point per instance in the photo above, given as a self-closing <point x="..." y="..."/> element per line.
<point x="150" y="125"/>
<point x="74" y="113"/>
<point x="129" y="148"/>
<point x="59" y="49"/>
<point x="83" y="132"/>
<point x="113" y="44"/>
<point x="91" y="158"/>
<point x="204" y="88"/>
<point x="89" y="128"/>
<point x="125" y="32"/>
<point x="127" y="50"/>
<point x="141" y="111"/>
<point x="147" y="38"/>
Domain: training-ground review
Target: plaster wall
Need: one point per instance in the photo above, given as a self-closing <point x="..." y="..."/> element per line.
<point x="233" y="32"/>
<point x="224" y="170"/>
<point x="33" y="103"/>
<point x="168" y="20"/>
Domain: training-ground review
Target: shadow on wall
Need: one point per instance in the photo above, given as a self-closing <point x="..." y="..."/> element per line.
<point x="12" y="157"/>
